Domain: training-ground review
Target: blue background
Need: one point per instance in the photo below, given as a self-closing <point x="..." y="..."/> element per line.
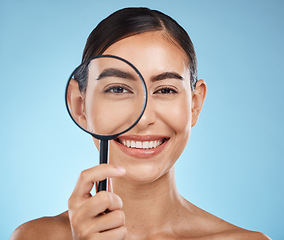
<point x="233" y="164"/>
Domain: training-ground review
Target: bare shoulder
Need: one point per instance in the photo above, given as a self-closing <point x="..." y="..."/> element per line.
<point x="206" y="226"/>
<point x="240" y="234"/>
<point x="57" y="227"/>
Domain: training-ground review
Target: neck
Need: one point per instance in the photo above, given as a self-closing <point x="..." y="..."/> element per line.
<point x="149" y="207"/>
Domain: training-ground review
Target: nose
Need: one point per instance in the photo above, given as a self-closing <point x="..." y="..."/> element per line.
<point x="149" y="116"/>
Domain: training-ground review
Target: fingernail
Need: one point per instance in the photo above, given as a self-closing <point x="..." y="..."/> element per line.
<point x="120" y="169"/>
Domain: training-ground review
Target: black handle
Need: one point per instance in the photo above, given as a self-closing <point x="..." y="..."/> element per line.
<point x="102" y="186"/>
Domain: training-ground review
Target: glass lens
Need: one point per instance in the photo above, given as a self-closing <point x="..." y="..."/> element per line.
<point x="106" y="95"/>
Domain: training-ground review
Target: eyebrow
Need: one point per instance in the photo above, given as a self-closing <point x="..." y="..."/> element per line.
<point x="166" y="75"/>
<point x="113" y="72"/>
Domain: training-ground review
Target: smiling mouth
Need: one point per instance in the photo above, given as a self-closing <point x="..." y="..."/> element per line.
<point x="143" y="145"/>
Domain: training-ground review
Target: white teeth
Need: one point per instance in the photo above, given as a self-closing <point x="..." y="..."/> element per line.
<point x="155" y="144"/>
<point x="141" y="145"/>
<point x="138" y="144"/>
<point x="145" y="144"/>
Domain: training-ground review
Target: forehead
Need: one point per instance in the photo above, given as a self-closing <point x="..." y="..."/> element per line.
<point x="151" y="53"/>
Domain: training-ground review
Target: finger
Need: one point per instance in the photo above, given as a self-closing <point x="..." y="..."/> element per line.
<point x="109" y="221"/>
<point x="117" y="233"/>
<point x="88" y="177"/>
<point x="99" y="203"/>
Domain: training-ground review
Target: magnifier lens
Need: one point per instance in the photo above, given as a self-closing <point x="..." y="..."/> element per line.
<point x="106" y="96"/>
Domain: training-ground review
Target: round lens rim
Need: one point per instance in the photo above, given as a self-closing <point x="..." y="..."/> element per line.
<point x="112" y="136"/>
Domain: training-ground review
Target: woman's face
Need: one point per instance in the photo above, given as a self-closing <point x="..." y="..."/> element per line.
<point x="151" y="148"/>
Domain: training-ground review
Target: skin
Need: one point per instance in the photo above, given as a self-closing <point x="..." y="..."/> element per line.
<point x="118" y="111"/>
<point x="143" y="201"/>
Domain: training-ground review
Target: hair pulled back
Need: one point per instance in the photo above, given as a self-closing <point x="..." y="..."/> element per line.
<point x="132" y="21"/>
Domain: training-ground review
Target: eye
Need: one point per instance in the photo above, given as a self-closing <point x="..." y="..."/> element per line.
<point x="117" y="90"/>
<point x="166" y="90"/>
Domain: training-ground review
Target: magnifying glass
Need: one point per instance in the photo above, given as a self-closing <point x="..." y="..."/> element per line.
<point x="106" y="96"/>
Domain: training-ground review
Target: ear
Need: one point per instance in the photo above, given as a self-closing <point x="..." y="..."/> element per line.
<point x="76" y="104"/>
<point x="198" y="97"/>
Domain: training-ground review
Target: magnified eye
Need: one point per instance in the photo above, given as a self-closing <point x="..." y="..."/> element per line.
<point x="166" y="90"/>
<point x="117" y="90"/>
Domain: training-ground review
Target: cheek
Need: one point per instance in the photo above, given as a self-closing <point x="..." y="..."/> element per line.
<point x="177" y="114"/>
<point x="177" y="118"/>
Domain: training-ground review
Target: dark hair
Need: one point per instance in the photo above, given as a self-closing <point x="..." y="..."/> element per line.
<point x="131" y="21"/>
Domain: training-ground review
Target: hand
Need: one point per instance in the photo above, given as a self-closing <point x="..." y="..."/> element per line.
<point x="88" y="216"/>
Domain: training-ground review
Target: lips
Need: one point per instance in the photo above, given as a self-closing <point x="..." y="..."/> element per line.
<point x="141" y="146"/>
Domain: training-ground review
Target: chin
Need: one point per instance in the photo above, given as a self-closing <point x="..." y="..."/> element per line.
<point x="143" y="175"/>
<point x="143" y="172"/>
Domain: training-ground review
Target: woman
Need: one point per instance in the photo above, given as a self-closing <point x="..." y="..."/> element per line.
<point x="143" y="201"/>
